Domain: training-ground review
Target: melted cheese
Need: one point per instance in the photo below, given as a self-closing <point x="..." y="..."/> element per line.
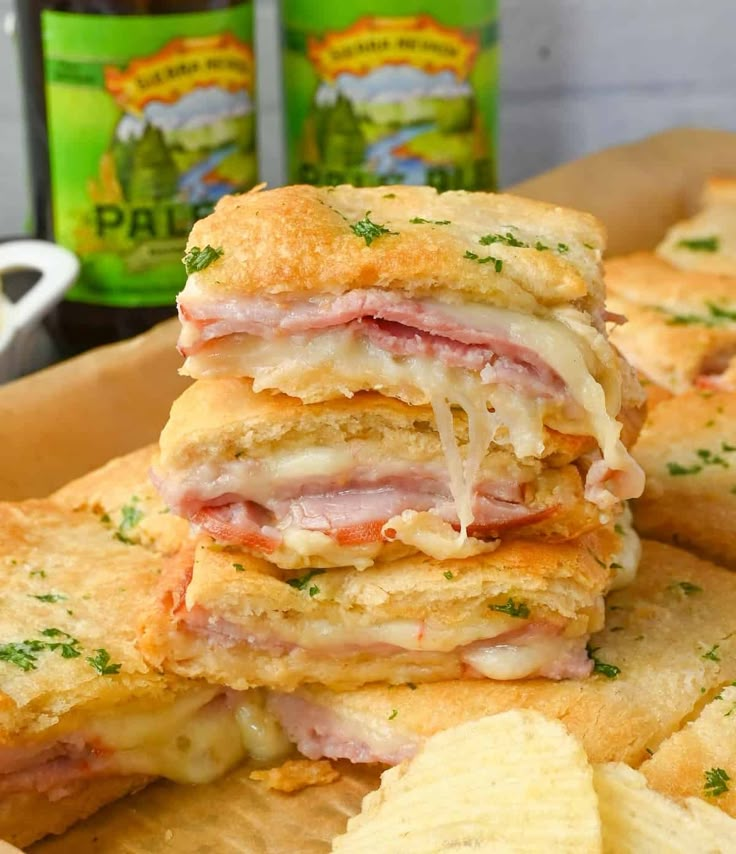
<point x="337" y="359"/>
<point x="518" y="661"/>
<point x="429" y="534"/>
<point x="325" y="636"/>
<point x="195" y="739"/>
<point x="625" y="561"/>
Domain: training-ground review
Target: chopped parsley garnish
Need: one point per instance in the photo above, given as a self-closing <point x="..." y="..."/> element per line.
<point x="615" y="566"/>
<point x="448" y="575"/>
<point x="369" y="230"/>
<point x="727" y="449"/>
<point x="302" y="582"/>
<point x="588" y="246"/>
<point x="676" y="470"/>
<point x="197" y="259"/>
<point x="105" y="518"/>
<point x="389" y="196"/>
<point x="38" y="573"/>
<point x="649" y="751"/>
<point x="541" y="247"/>
<point x="418" y="220"/>
<point x="717" y="316"/>
<point x="700" y="244"/>
<point x="497" y="262"/>
<point x="711" y="459"/>
<point x="24" y="654"/>
<point x="131" y="515"/>
<point x="712" y="653"/>
<point x="716" y="782"/>
<point x="686" y="320"/>
<point x="68" y="647"/>
<point x="513" y="609"/>
<point x="507" y="239"/>
<point x="393" y="714"/>
<point x="562" y="248"/>
<point x="101" y="663"/>
<point x="618" y="529"/>
<point x="50" y="598"/>
<point x="239" y="567"/>
<point x="610" y="671"/>
<point x="687" y="587"/>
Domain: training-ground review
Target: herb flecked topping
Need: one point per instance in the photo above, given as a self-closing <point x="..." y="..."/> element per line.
<point x="418" y="220"/>
<point x="610" y="671"/>
<point x="700" y="244"/>
<point x="369" y="230"/>
<point x="131" y="515"/>
<point x="302" y="582"/>
<point x="497" y="262"/>
<point x="716" y="782"/>
<point x="198" y="259"/>
<point x="101" y="663"/>
<point x="513" y="609"/>
<point x="49" y="598"/>
<point x="24" y="654"/>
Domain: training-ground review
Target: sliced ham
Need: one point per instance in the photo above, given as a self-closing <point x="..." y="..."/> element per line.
<point x="533" y="649"/>
<point x="318" y="732"/>
<point x="356" y="516"/>
<point x="53" y="769"/>
<point x="394" y="323"/>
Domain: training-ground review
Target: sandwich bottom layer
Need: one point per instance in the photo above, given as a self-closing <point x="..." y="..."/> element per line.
<point x="667" y="648"/>
<point x="28" y="816"/>
<point x="48" y="784"/>
<point x="526" y="609"/>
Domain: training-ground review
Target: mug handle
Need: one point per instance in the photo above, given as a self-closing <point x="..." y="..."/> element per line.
<point x="58" y="267"/>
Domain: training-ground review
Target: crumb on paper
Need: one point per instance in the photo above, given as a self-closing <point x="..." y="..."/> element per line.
<point x="297" y="774"/>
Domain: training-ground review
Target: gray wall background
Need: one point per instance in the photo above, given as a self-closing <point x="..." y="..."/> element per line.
<point x="577" y="76"/>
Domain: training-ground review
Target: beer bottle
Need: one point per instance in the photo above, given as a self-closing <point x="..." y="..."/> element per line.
<point x="392" y="92"/>
<point x="140" y="115"/>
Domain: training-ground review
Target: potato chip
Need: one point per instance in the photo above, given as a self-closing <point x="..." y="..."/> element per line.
<point x="513" y="782"/>
<point x="639" y="820"/>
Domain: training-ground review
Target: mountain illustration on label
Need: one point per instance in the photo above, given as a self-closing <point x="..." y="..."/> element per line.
<point x="394" y="99"/>
<point x="186" y="132"/>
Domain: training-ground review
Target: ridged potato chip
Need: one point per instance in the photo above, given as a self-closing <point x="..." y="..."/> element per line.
<point x="638" y="820"/>
<point x="513" y="782"/>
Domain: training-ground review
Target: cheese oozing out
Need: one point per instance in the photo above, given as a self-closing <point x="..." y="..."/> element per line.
<point x="195" y="739"/>
<point x="496" y="412"/>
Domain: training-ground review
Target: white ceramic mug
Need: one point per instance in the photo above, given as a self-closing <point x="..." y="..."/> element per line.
<point x="20" y="330"/>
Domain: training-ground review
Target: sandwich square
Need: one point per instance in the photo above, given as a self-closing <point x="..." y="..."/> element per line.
<point x="83" y="718"/>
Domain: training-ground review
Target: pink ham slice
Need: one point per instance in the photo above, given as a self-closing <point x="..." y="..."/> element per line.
<point x="392" y="322"/>
<point x="54" y="769"/>
<point x="354" y="517"/>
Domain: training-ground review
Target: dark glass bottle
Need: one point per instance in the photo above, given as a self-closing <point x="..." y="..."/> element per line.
<point x="140" y="114"/>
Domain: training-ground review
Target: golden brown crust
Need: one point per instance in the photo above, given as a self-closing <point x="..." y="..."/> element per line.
<point x="299" y="239"/>
<point x="28" y="816"/>
<point x="89" y="583"/>
<point x="671" y="335"/>
<point x="296" y="774"/>
<point x="561" y="585"/>
<point x="123" y="486"/>
<point x="688" y="452"/>
<point x="656" y="634"/>
<point x="716" y="224"/>
<point x="679" y="766"/>
<point x="225" y="417"/>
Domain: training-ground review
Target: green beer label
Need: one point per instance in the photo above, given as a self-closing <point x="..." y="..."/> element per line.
<point x="392" y="91"/>
<point x="150" y="121"/>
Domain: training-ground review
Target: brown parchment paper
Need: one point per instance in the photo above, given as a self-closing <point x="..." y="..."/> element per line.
<point x="70" y="418"/>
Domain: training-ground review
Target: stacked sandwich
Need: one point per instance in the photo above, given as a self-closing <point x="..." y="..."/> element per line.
<point x="405" y="454"/>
